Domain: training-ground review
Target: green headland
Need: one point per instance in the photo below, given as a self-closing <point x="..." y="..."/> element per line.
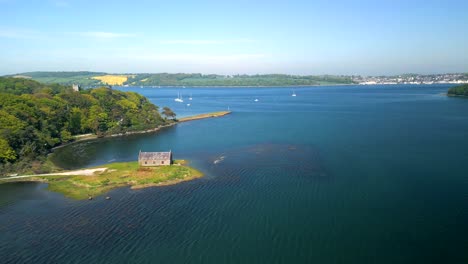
<point x="461" y="90"/>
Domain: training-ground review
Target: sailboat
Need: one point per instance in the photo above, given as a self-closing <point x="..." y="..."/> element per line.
<point x="179" y="98"/>
<point x="256" y="100"/>
<point x="293" y="94"/>
<point x="190" y="98"/>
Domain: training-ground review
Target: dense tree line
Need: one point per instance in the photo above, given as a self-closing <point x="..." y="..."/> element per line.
<point x="35" y="117"/>
<point x="461" y="90"/>
<point x="196" y="79"/>
<point x="179" y="79"/>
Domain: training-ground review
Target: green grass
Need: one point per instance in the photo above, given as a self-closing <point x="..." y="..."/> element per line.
<point x="119" y="175"/>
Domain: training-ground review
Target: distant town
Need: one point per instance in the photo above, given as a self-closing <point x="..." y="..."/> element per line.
<point x="454" y="78"/>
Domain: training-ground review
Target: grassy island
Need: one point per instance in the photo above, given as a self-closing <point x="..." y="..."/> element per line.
<point x="461" y="90"/>
<point x="118" y="175"/>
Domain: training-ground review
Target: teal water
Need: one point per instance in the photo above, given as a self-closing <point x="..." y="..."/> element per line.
<point x="345" y="174"/>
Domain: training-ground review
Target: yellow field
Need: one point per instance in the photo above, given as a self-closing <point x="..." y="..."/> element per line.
<point x="112" y="79"/>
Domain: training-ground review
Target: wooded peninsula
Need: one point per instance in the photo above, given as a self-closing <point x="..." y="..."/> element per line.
<point x="36" y="117"/>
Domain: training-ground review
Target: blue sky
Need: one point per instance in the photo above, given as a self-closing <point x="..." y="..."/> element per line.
<point x="230" y="37"/>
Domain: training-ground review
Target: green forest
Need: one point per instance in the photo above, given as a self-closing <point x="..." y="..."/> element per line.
<point x="461" y="90"/>
<point x="36" y="117"/>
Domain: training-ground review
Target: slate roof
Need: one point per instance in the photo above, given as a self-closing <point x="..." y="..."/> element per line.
<point x="154" y="155"/>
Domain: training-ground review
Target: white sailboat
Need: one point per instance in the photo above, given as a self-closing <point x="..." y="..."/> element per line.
<point x="179" y="98"/>
<point x="293" y="94"/>
<point x="190" y="98"/>
<point x="256" y="100"/>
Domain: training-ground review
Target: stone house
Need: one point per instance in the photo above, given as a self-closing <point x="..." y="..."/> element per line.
<point x="155" y="158"/>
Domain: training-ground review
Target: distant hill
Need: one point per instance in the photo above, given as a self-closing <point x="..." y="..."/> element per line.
<point x="83" y="78"/>
<point x="92" y="79"/>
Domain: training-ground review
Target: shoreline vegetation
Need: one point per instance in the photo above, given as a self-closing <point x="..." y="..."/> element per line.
<point x="92" y="182"/>
<point x="86" y="137"/>
<point x="458" y="91"/>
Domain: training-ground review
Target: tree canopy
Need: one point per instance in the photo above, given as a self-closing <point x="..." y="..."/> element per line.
<point x="461" y="90"/>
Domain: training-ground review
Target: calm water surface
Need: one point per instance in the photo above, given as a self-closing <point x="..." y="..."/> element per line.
<point x="350" y="174"/>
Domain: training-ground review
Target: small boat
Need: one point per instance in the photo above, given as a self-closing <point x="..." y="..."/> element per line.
<point x="179" y="98"/>
<point x="188" y="104"/>
<point x="190" y="98"/>
<point x="256" y="100"/>
<point x="293" y="94"/>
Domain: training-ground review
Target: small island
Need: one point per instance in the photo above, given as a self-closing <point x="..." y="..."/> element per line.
<point x="461" y="90"/>
<point x="99" y="180"/>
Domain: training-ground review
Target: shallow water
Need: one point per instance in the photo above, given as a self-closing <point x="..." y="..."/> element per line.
<point x="348" y="174"/>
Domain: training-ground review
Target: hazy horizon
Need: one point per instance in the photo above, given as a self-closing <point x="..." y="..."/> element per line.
<point x="210" y="37"/>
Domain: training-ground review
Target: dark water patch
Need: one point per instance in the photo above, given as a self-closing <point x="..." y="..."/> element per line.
<point x="303" y="160"/>
<point x="105" y="150"/>
<point x="13" y="193"/>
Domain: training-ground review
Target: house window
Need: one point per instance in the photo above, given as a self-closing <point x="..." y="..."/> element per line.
<point x="162" y="161"/>
<point x="154" y="162"/>
<point x="145" y="162"/>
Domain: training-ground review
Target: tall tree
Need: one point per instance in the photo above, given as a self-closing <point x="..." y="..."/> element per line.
<point x="168" y="112"/>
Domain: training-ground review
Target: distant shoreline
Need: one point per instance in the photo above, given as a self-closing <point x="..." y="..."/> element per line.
<point x="274" y="86"/>
<point x="456" y="95"/>
<point x="231" y="86"/>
